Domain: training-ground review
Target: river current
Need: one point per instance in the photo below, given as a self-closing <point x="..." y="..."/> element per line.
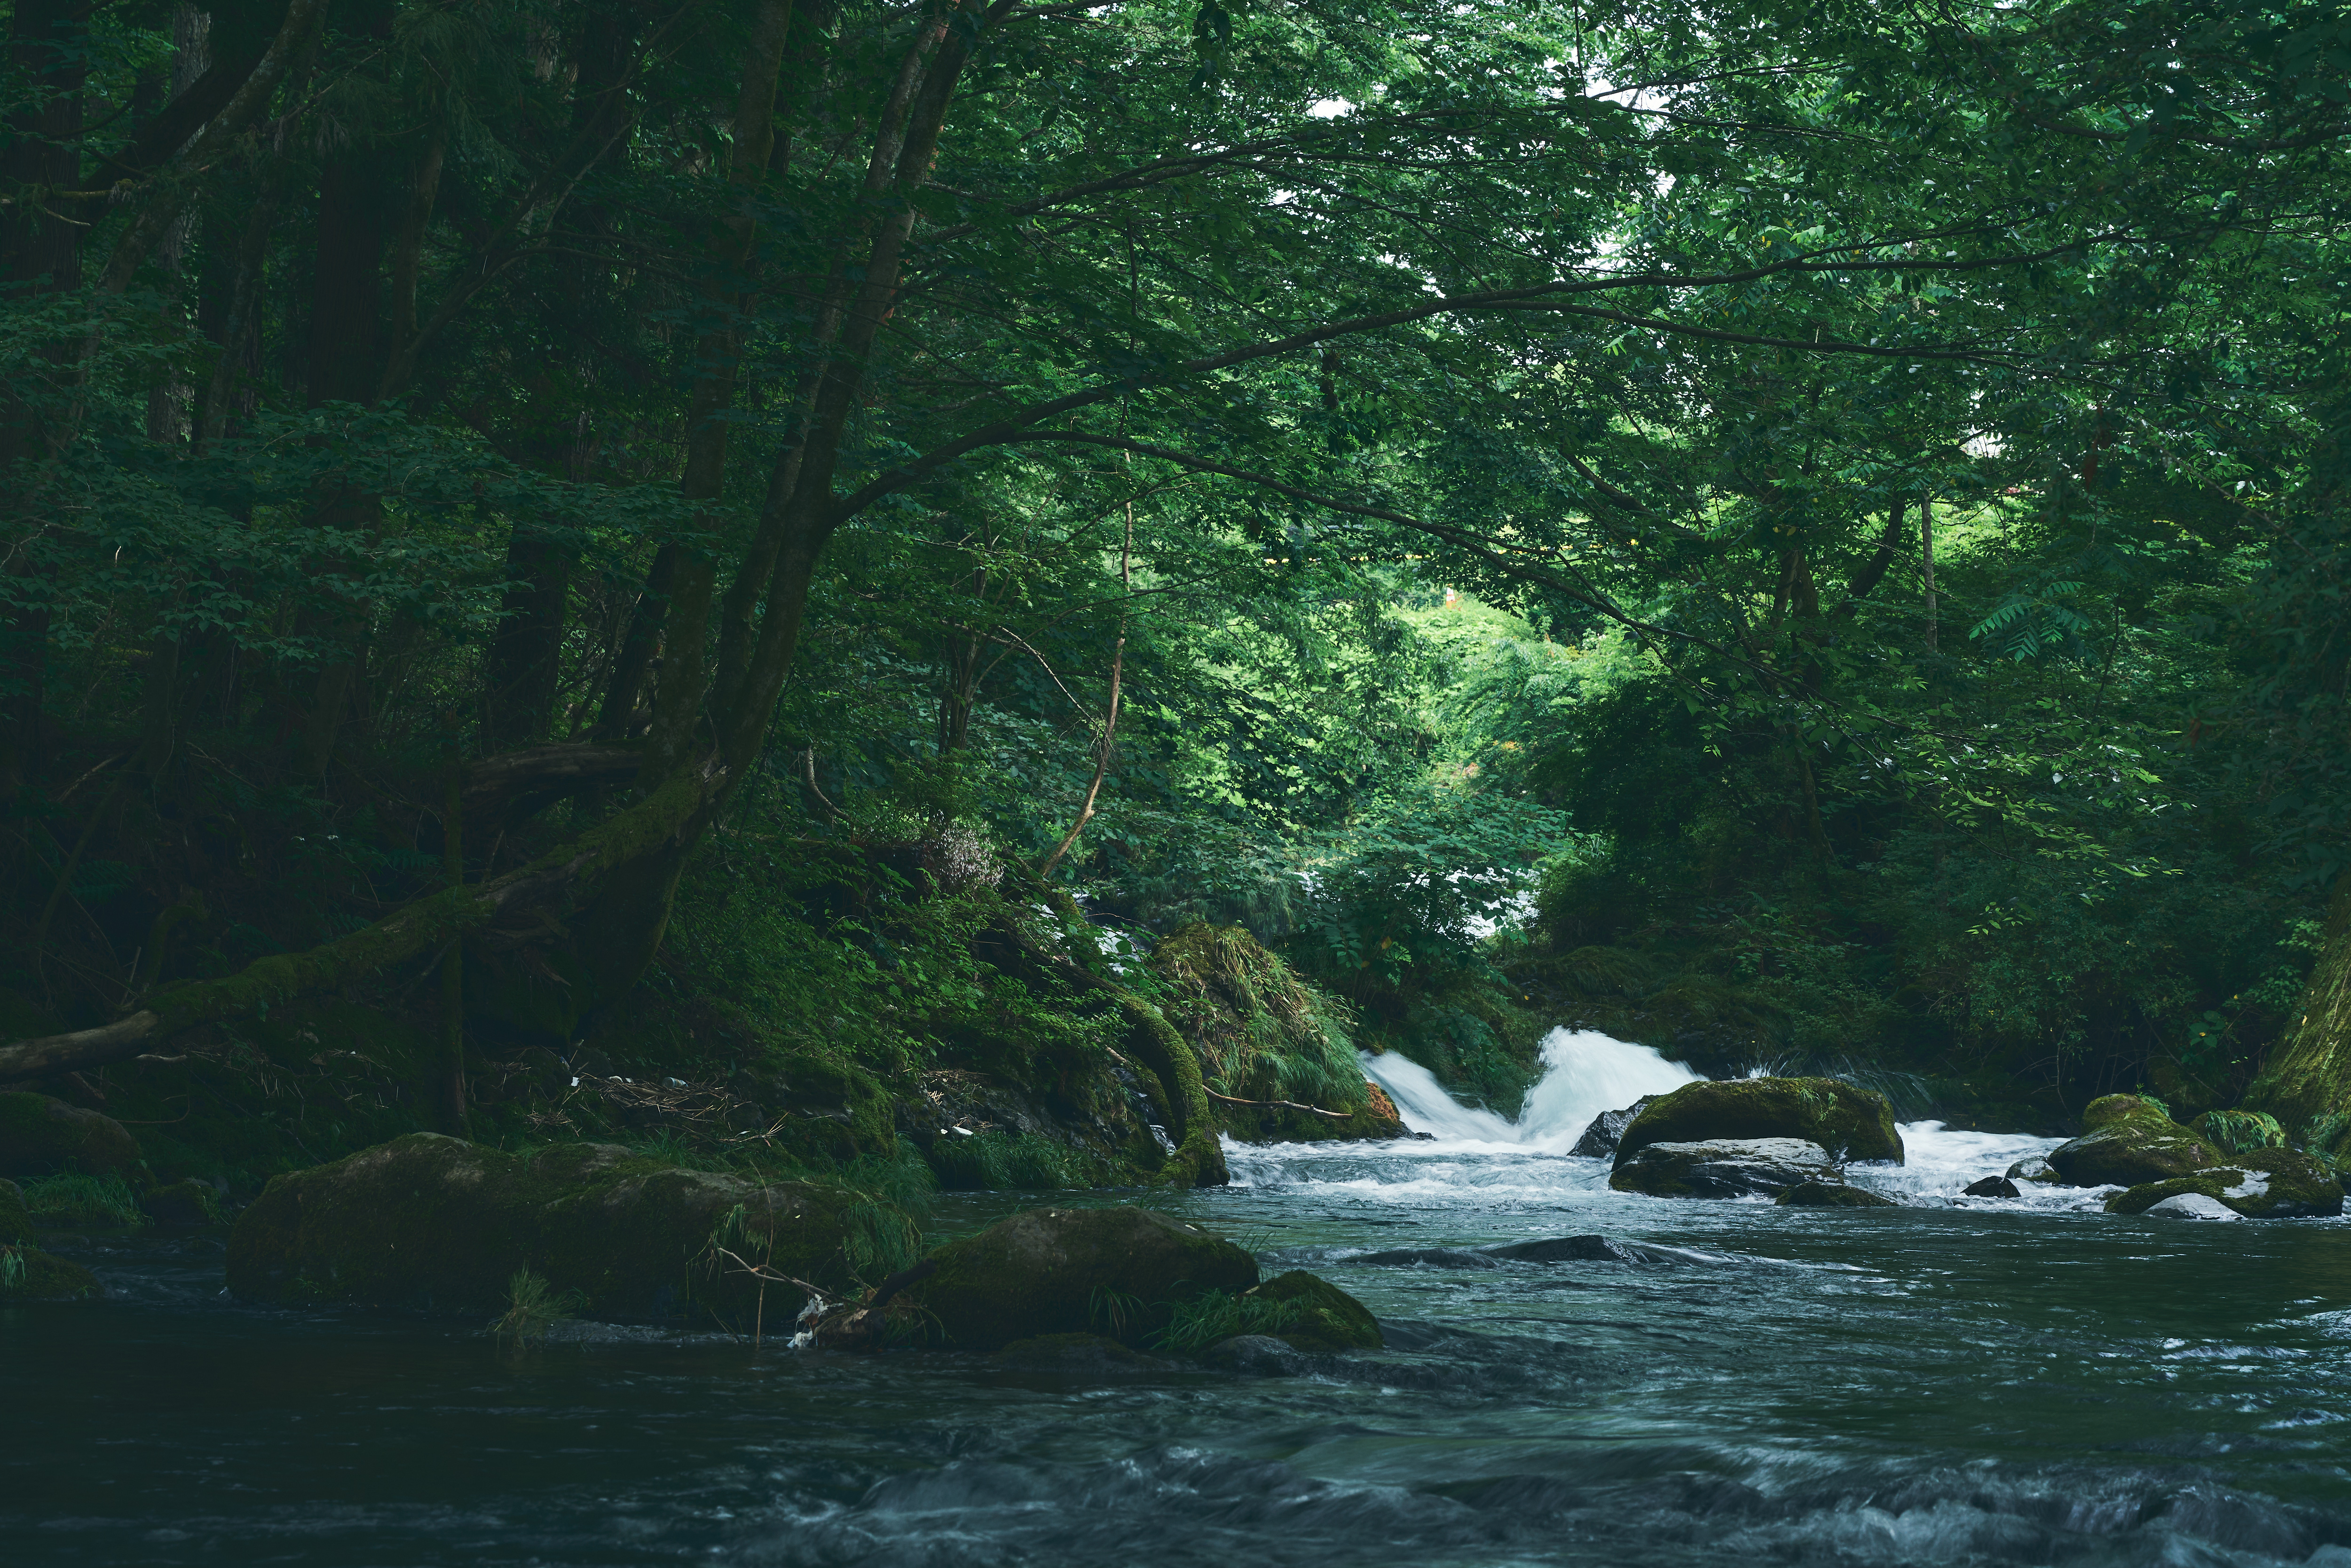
<point x="1954" y="1381"/>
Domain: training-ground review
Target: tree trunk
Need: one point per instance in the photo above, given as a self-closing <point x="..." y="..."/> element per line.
<point x="524" y="653"/>
<point x="40" y="253"/>
<point x="347" y="356"/>
<point x="2306" y="1082"/>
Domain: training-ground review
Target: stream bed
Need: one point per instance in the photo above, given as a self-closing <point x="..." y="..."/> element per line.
<point x="1954" y="1381"/>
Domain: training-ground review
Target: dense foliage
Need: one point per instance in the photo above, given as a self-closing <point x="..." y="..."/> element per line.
<point x="787" y="543"/>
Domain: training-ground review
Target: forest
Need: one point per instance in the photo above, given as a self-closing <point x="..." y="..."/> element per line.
<point x="989" y="592"/>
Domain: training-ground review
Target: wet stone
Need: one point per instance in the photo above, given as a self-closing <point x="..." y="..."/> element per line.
<point x="1726" y="1168"/>
<point x="1992" y="1186"/>
<point x="1607" y="1129"/>
<point x="1254" y="1355"/>
<point x="1430" y="1256"/>
<point x="1833" y="1195"/>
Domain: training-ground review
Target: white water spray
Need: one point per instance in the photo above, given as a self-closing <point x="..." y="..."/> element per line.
<point x="1584" y="1073"/>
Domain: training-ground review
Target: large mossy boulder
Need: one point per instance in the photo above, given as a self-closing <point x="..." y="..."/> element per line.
<point x="1326" y="1317"/>
<point x="1851" y="1123"/>
<point x="27" y="1275"/>
<point x="1724" y="1167"/>
<point x="2266" y="1184"/>
<point x="2126" y="1142"/>
<point x="1116" y="1272"/>
<point x="436" y="1224"/>
<point x="41" y="1136"/>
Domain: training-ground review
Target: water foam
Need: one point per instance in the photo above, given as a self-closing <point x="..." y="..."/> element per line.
<point x="1584" y="1073"/>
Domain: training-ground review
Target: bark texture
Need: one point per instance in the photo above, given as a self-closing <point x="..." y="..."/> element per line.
<point x="2306" y="1082"/>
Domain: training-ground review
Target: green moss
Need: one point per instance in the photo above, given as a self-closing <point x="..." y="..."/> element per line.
<point x="1851" y="1123"/>
<point x="189" y="1202"/>
<point x="2129" y="1141"/>
<point x="27" y="1275"/>
<point x="436" y="1224"/>
<point x="39" y="1135"/>
<point x="1328" y="1318"/>
<point x="15" y="1219"/>
<point x="1118" y="1272"/>
<point x="2263" y="1183"/>
<point x="1833" y="1195"/>
<point x="2113" y="1110"/>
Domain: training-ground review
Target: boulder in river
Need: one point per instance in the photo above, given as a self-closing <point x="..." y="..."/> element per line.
<point x="1991" y="1186"/>
<point x="1431" y="1256"/>
<point x="2036" y="1169"/>
<point x="2266" y="1184"/>
<point x="1833" y="1195"/>
<point x="41" y="1136"/>
<point x="1607" y="1129"/>
<point x="2124" y="1142"/>
<point x="1322" y="1316"/>
<point x="1848" y="1123"/>
<point x="1255" y="1355"/>
<point x="1596" y="1249"/>
<point x="1118" y="1272"/>
<point x="1723" y="1168"/>
<point x="2193" y="1206"/>
<point x="189" y="1202"/>
<point x="28" y="1274"/>
<point x="441" y="1225"/>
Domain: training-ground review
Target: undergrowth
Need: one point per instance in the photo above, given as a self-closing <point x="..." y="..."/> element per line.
<point x="533" y="1307"/>
<point x="1211" y="1317"/>
<point x="75" y="1199"/>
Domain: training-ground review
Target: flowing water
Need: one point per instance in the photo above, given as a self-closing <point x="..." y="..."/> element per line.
<point x="1954" y="1381"/>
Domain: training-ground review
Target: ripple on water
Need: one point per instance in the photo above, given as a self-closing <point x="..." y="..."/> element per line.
<point x="2011" y="1384"/>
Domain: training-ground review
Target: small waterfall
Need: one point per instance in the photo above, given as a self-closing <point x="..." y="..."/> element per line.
<point x="1584" y="1073"/>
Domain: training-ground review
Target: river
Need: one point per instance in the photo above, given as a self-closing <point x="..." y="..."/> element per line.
<point x="1954" y="1381"/>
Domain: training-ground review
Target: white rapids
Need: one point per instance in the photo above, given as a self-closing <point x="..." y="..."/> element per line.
<point x="1463" y="1152"/>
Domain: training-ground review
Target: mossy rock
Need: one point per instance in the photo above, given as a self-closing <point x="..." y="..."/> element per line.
<point x="1851" y="1123"/>
<point x="2240" y="1131"/>
<point x="41" y="1136"/>
<point x="2128" y="1142"/>
<point x="1726" y="1168"/>
<point x="39" y="1277"/>
<point x="1833" y="1195"/>
<point x="436" y="1224"/>
<point x="1114" y="1271"/>
<point x="16" y="1220"/>
<point x="1328" y="1318"/>
<point x="189" y="1202"/>
<point x="2266" y="1184"/>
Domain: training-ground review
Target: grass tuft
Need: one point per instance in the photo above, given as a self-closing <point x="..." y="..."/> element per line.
<point x="75" y="1199"/>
